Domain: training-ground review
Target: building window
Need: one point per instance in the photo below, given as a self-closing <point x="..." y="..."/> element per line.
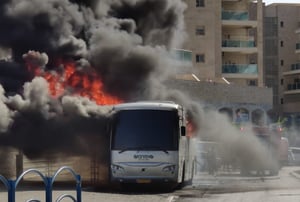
<point x="200" y="58"/>
<point x="200" y="3"/>
<point x="281" y="24"/>
<point x="281" y="101"/>
<point x="200" y="30"/>
<point x="281" y="62"/>
<point x="281" y="81"/>
<point x="281" y="43"/>
<point x="252" y="83"/>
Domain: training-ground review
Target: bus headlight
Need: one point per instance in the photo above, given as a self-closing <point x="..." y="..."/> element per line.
<point x="117" y="169"/>
<point x="169" y="169"/>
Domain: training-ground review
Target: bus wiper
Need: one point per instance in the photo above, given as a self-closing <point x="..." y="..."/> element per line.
<point x="158" y="149"/>
<point x="130" y="148"/>
<point x="143" y="149"/>
<point x="123" y="150"/>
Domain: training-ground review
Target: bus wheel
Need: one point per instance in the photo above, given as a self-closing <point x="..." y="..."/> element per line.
<point x="190" y="181"/>
<point x="182" y="183"/>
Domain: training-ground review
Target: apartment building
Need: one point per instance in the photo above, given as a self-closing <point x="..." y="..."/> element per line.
<point x="225" y="40"/>
<point x="282" y="58"/>
<point x="225" y="45"/>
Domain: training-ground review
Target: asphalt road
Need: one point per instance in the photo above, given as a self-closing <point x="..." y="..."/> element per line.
<point x="206" y="188"/>
<point x="228" y="188"/>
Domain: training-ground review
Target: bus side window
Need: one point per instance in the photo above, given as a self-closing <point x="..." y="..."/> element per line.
<point x="182" y="130"/>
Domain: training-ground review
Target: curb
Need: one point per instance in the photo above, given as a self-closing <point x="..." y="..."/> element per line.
<point x="236" y="178"/>
<point x="221" y="182"/>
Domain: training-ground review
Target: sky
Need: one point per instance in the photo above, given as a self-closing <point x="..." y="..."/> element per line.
<point x="281" y="1"/>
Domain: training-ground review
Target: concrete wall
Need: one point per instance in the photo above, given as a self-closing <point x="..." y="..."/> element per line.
<point x="232" y="98"/>
<point x="219" y="94"/>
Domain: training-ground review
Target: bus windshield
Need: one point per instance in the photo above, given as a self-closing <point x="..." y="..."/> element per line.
<point x="145" y="130"/>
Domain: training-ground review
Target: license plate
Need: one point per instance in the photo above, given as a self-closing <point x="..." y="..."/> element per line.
<point x="143" y="181"/>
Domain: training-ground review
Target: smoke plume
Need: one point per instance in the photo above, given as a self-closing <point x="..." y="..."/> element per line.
<point x="58" y="47"/>
<point x="125" y="43"/>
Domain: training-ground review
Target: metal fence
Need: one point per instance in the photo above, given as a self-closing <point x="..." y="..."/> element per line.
<point x="11" y="185"/>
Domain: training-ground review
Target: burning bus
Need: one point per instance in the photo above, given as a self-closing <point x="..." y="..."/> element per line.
<point x="59" y="71"/>
<point x="149" y="144"/>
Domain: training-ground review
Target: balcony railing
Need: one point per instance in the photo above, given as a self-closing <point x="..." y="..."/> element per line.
<point x="238" y="43"/>
<point x="235" y="15"/>
<point x="295" y="66"/>
<point x="293" y="86"/>
<point x="239" y="69"/>
<point x="182" y="55"/>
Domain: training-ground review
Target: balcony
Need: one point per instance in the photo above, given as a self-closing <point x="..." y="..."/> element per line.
<point x="235" y="0"/>
<point x="295" y="66"/>
<point x="237" y="19"/>
<point x="239" y="69"/>
<point x="246" y="46"/>
<point x="238" y="43"/>
<point x="181" y="60"/>
<point x="235" y="15"/>
<point x="293" y="88"/>
<point x="295" y="69"/>
<point x="230" y="0"/>
<point x="182" y="55"/>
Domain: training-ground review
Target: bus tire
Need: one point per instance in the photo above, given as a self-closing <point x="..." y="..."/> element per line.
<point x="190" y="181"/>
<point x="182" y="183"/>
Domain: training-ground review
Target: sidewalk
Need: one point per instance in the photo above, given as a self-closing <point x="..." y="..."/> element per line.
<point x="225" y="181"/>
<point x="232" y="175"/>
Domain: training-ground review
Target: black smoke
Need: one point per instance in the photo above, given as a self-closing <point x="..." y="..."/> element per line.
<point x="127" y="42"/>
<point x="40" y="125"/>
<point x="13" y="75"/>
<point x="107" y="33"/>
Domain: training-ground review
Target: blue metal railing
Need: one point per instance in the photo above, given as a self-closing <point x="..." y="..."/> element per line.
<point x="11" y="185"/>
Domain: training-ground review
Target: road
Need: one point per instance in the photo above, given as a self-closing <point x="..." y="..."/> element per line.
<point x="205" y="188"/>
<point x="284" y="187"/>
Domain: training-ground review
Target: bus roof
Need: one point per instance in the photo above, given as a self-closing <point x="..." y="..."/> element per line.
<point x="147" y="105"/>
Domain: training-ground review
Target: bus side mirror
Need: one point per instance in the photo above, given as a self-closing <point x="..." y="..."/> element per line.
<point x="182" y="130"/>
<point x="108" y="125"/>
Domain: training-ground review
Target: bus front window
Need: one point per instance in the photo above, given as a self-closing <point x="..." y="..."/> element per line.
<point x="145" y="130"/>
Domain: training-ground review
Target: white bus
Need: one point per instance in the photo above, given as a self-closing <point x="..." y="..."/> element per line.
<point x="149" y="144"/>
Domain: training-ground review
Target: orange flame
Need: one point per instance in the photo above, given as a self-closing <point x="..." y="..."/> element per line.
<point x="82" y="84"/>
<point x="191" y="129"/>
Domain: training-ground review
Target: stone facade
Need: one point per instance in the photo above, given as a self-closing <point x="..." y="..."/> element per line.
<point x="230" y="97"/>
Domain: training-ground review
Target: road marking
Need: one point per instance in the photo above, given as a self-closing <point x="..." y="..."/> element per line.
<point x="172" y="198"/>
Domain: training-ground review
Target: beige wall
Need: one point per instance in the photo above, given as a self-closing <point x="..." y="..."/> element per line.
<point x="211" y="43"/>
<point x="286" y="53"/>
<point x="259" y="42"/>
<point x="217" y="94"/>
